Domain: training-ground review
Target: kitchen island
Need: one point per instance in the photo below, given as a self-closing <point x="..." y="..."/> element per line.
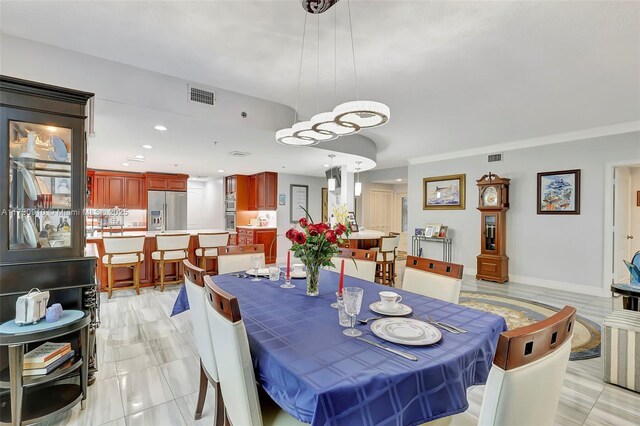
<point x="365" y="239"/>
<point x="150" y="245"/>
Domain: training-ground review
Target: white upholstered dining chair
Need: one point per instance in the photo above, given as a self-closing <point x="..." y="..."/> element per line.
<point x="433" y="278"/>
<point x="235" y="368"/>
<point x="526" y="378"/>
<point x="357" y="263"/>
<point x="209" y="243"/>
<point x="238" y="258"/>
<point x="194" y="284"/>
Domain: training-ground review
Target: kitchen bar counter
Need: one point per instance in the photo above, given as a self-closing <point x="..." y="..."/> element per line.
<point x="146" y="271"/>
<point x="365" y="239"/>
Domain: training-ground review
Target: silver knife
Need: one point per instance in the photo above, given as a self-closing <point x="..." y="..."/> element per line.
<point x="393" y="351"/>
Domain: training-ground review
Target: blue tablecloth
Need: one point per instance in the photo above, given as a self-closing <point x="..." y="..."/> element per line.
<point x="322" y="377"/>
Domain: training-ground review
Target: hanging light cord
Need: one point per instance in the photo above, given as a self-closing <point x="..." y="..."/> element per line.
<point x="353" y="50"/>
<point x="335" y="55"/>
<point x="304" y="31"/>
<point x="318" y="70"/>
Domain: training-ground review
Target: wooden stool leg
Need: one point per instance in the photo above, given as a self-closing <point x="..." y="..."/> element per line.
<point x="162" y="275"/>
<point x="136" y="278"/>
<point x="109" y="281"/>
<point x="203" y="263"/>
<point x="154" y="273"/>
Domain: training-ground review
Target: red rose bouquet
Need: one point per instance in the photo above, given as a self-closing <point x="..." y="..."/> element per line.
<point x="315" y="245"/>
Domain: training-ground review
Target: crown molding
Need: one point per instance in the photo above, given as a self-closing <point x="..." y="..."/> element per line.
<point x="594" y="132"/>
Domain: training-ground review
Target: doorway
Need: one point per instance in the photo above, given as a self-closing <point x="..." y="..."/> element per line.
<point x="622" y="221"/>
<point x="400" y="218"/>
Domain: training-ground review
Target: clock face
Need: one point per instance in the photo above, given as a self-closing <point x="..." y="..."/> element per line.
<point x="490" y="196"/>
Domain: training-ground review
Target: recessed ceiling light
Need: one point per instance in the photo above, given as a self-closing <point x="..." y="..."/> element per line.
<point x="398" y="180"/>
<point x="125" y="164"/>
<point x="325" y="165"/>
<point x="147" y="146"/>
<point x="140" y="156"/>
<point x="160" y="127"/>
<point x="220" y="171"/>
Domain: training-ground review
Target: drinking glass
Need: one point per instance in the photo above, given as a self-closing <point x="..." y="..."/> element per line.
<point x="274" y="273"/>
<point x="352" y="298"/>
<point x="256" y="261"/>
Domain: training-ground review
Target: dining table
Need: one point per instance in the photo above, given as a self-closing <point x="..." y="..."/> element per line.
<point x="320" y="376"/>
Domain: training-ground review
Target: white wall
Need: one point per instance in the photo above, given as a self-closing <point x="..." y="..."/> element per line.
<point x="556" y="251"/>
<point x="315" y="205"/>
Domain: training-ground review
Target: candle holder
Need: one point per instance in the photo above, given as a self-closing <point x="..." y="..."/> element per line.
<point x="287" y="279"/>
<point x="338" y="300"/>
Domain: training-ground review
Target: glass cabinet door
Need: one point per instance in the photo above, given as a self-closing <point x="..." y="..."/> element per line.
<point x="490" y="223"/>
<point x="40" y="186"/>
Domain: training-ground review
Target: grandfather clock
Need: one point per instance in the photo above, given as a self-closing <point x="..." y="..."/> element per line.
<point x="493" y="203"/>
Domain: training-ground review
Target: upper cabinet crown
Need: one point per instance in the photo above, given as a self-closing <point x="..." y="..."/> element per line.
<point x="116" y="189"/>
<point x="166" y="182"/>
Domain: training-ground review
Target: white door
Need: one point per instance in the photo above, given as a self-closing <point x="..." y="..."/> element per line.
<point x="621" y="223"/>
<point x="400" y="218"/>
<point x="195" y="208"/>
<point x="380" y="210"/>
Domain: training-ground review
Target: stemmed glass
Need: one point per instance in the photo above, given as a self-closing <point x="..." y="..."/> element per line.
<point x="352" y="297"/>
<point x="256" y="261"/>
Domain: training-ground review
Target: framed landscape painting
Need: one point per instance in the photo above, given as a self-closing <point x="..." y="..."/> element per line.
<point x="443" y="192"/>
<point x="559" y="192"/>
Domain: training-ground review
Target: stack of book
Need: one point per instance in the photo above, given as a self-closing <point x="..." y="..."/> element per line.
<point x="46" y="358"/>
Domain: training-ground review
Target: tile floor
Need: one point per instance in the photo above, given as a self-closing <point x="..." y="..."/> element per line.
<point x="149" y="369"/>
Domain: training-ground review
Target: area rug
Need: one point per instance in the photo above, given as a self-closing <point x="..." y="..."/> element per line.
<point x="520" y="312"/>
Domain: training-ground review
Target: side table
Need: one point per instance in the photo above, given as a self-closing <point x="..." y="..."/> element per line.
<point x="43" y="402"/>
<point x="630" y="295"/>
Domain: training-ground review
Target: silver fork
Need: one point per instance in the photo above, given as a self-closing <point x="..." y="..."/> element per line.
<point x="446" y="325"/>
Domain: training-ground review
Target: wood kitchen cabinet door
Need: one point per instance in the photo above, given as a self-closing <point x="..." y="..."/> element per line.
<point x="271" y="191"/>
<point x="134" y="191"/>
<point x="99" y="192"/>
<point x="177" y="184"/>
<point x="267" y="237"/>
<point x="115" y="191"/>
<point x="253" y="193"/>
<point x="260" y="191"/>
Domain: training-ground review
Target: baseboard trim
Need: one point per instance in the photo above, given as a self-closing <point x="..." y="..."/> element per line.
<point x="557" y="285"/>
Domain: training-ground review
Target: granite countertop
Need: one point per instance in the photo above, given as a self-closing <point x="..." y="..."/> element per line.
<point x="151" y="234"/>
<point x="255" y="227"/>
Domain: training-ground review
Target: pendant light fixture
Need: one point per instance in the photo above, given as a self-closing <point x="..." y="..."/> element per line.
<point x="357" y="188"/>
<point x="331" y="183"/>
<point x="345" y="119"/>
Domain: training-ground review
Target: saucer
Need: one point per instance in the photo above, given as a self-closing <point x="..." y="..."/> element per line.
<point x="401" y="310"/>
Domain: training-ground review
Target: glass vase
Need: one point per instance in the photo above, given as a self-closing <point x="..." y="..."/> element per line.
<point x="313" y="278"/>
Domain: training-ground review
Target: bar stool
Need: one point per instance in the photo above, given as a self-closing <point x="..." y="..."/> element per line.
<point x="387" y="258"/>
<point x="123" y="252"/>
<point x="209" y="243"/>
<point x="171" y="249"/>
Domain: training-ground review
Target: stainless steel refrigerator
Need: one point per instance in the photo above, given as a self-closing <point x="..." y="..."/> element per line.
<point x="166" y="210"/>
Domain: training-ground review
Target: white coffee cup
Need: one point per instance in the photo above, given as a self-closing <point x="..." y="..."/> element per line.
<point x="297" y="268"/>
<point x="389" y="300"/>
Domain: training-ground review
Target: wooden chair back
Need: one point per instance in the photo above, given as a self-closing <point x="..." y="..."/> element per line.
<point x="448" y="269"/>
<point x="243" y="249"/>
<point x="433" y="278"/>
<point x="358" y="254"/>
<point x="238" y="258"/>
<point x="362" y="266"/>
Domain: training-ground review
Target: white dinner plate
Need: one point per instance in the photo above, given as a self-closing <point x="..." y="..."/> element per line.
<point x="28" y="182"/>
<point x="30" y="231"/>
<point x="406" y="331"/>
<point x="298" y="274"/>
<point x="400" y="311"/>
<point x="261" y="271"/>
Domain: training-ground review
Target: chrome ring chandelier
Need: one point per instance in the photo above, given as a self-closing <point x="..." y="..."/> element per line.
<point x="345" y="119"/>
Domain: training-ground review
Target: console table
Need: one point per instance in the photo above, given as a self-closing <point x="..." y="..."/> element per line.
<point x="416" y="241"/>
<point x="42" y="399"/>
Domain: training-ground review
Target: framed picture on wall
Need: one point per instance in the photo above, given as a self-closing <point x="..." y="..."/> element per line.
<point x="353" y="225"/>
<point x="443" y="192"/>
<point x="299" y="202"/>
<point x="325" y="205"/>
<point x="638" y="198"/>
<point x="559" y="192"/>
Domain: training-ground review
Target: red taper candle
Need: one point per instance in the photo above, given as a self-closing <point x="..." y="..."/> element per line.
<point x="288" y="272"/>
<point x="341" y="282"/>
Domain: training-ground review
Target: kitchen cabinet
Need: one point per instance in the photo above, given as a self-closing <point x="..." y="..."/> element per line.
<point x="113" y="189"/>
<point x="263" y="191"/>
<point x="230" y="185"/>
<point x="264" y="236"/>
<point x="166" y="182"/>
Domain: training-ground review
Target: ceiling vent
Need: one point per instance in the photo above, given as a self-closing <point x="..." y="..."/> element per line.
<point x="239" y="154"/>
<point x="495" y="158"/>
<point x="138" y="159"/>
<point x="201" y="96"/>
